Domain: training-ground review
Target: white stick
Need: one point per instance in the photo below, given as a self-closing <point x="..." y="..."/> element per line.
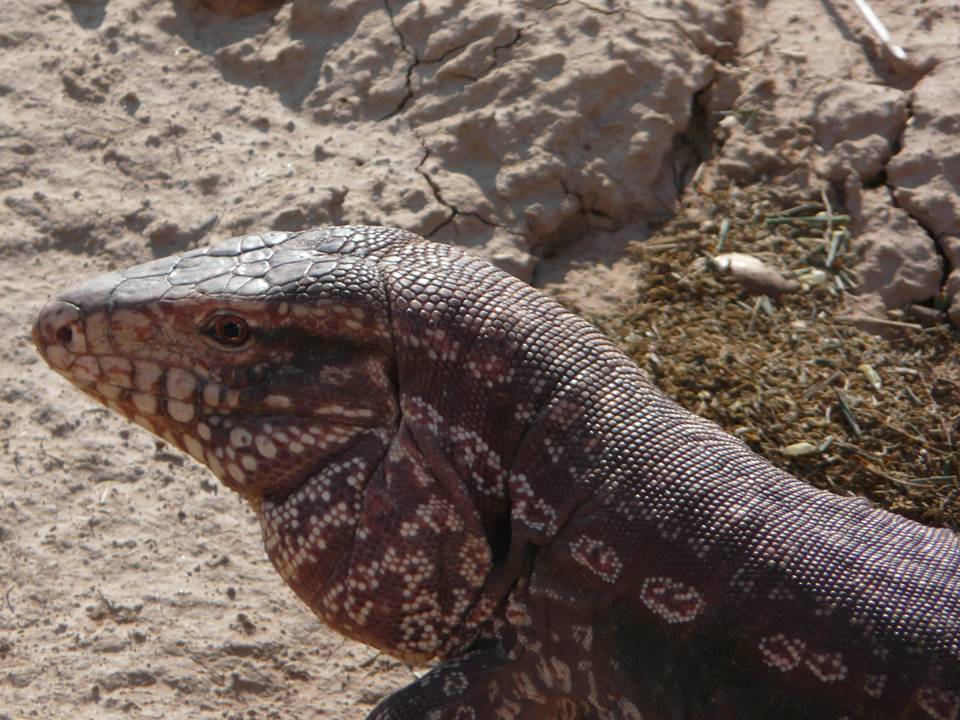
<point x="880" y="29"/>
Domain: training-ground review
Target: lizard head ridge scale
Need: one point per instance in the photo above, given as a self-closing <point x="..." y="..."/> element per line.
<point x="447" y="464"/>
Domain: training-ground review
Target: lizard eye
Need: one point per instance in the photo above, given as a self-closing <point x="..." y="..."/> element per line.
<point x="230" y="330"/>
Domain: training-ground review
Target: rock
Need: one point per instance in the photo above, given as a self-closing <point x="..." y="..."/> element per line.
<point x="950" y="245"/>
<point x="848" y="110"/>
<point x="897" y="260"/>
<point x="520" y="136"/>
<point x="925" y="174"/>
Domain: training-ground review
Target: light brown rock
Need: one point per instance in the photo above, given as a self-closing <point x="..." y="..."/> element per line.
<point x="856" y="125"/>
<point x="925" y="174"/>
<point x="898" y="261"/>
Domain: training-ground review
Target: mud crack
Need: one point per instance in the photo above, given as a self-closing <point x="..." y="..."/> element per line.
<point x="408" y="82"/>
<point x="945" y="266"/>
<point x="454" y="210"/>
<point x="442" y="57"/>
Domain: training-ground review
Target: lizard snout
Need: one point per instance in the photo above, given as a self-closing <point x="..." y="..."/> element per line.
<point x="58" y="328"/>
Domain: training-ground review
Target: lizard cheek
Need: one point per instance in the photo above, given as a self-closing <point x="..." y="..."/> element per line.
<point x="273" y="455"/>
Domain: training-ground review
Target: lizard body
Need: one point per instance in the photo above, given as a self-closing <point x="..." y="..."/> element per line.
<point x="447" y="464"/>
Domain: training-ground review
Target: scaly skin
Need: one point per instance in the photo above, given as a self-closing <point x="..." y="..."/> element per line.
<point x="446" y="464"/>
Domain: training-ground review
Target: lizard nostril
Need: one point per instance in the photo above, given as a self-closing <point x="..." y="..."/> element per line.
<point x="59" y="323"/>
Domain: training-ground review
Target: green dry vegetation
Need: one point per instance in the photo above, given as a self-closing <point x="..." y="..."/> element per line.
<point x="795" y="378"/>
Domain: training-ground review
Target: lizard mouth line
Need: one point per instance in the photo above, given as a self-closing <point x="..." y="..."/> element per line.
<point x="122" y="395"/>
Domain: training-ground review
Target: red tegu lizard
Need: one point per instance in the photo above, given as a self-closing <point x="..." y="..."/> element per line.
<point x="447" y="464"/>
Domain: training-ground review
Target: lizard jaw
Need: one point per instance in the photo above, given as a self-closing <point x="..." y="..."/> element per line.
<point x="271" y="451"/>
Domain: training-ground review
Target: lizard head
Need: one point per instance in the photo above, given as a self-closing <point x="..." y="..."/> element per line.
<point x="261" y="358"/>
<point x="365" y="390"/>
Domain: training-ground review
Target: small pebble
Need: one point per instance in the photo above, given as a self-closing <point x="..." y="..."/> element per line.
<point x="799" y="449"/>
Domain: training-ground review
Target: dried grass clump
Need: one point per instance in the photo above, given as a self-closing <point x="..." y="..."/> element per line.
<point x="795" y="379"/>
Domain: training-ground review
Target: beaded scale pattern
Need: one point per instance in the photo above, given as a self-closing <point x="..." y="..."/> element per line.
<point x="447" y="464"/>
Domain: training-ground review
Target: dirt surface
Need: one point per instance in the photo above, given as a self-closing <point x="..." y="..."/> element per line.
<point x="552" y="137"/>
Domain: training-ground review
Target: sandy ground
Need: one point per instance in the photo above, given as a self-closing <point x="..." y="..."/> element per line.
<point x="546" y="136"/>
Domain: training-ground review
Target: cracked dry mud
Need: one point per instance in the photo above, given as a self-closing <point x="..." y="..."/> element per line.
<point x="546" y="135"/>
